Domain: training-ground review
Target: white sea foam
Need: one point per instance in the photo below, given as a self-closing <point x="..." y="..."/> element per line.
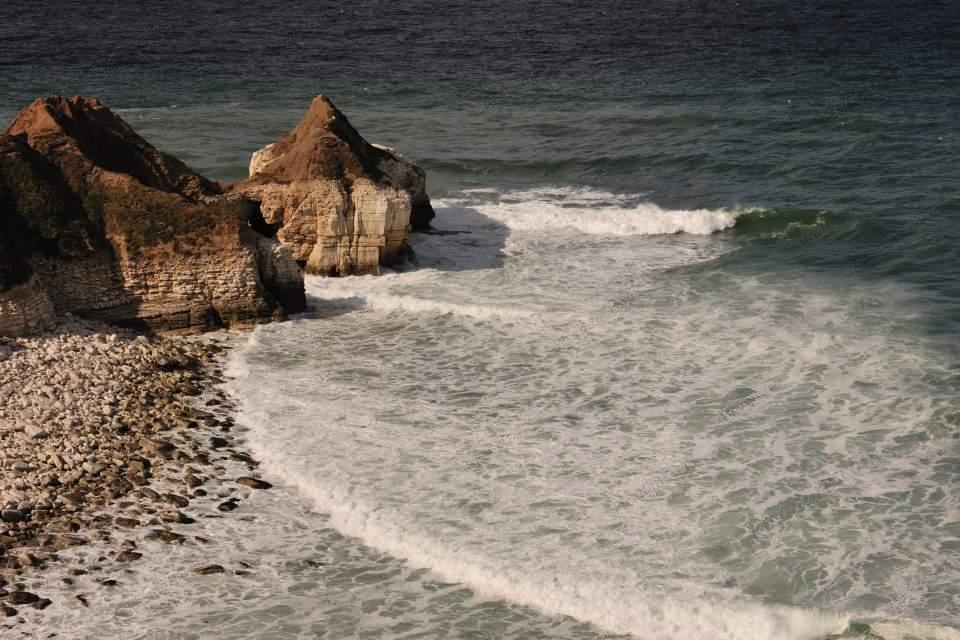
<point x="540" y="465"/>
<point x="595" y="212"/>
<point x="386" y="303"/>
<point x="626" y="608"/>
<point x="574" y="426"/>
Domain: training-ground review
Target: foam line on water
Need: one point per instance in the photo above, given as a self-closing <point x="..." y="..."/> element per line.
<point x="389" y="303"/>
<point x="619" y="608"/>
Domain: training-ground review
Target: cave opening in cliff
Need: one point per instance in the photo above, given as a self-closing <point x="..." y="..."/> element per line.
<point x="259" y="224"/>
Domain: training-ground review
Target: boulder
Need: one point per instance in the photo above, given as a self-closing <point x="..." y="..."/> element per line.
<point x="97" y="222"/>
<point x="341" y="205"/>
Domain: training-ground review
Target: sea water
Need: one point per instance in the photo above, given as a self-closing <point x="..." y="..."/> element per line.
<point x="559" y="426"/>
<point x="680" y="363"/>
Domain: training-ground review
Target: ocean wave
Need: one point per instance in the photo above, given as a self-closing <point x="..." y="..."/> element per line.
<point x="366" y="293"/>
<point x="618" y="607"/>
<point x="390" y="303"/>
<point x="593" y="212"/>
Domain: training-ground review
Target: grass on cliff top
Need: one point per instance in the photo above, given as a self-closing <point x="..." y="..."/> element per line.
<point x="148" y="220"/>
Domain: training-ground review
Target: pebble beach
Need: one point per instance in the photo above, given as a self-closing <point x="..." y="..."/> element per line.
<point x="105" y="432"/>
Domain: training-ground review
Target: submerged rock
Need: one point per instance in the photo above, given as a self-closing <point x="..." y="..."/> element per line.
<point x="342" y="205"/>
<point x="96" y="221"/>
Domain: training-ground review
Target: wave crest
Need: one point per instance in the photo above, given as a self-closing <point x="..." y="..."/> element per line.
<point x="593" y="212"/>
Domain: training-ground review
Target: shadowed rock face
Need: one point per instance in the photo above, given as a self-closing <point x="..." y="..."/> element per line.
<point x="342" y="205"/>
<point x="39" y="214"/>
<point x="106" y="226"/>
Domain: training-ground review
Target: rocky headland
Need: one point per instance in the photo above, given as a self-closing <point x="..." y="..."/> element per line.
<point x="342" y="205"/>
<point x="97" y="222"/>
<point x="108" y="248"/>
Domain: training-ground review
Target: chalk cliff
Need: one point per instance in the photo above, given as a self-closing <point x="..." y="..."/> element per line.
<point x="342" y="205"/>
<point x="96" y="221"/>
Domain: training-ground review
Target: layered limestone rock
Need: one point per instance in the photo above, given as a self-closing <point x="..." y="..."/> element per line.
<point x="40" y="219"/>
<point x="110" y="228"/>
<point x="342" y="205"/>
<point x="25" y="309"/>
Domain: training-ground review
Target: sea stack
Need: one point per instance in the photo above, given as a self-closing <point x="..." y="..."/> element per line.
<point x="342" y="205"/>
<point x="97" y="222"/>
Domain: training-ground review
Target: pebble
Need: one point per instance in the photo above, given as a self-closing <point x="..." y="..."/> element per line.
<point x="209" y="570"/>
<point x="254" y="483"/>
<point x="138" y="465"/>
<point x="176" y="517"/>
<point x="169" y="537"/>
<point x="89" y="416"/>
<point x="11" y="515"/>
<point x="175" y="500"/>
<point x="22" y="597"/>
<point x="128" y="523"/>
<point x="128" y="556"/>
<point x="229" y="505"/>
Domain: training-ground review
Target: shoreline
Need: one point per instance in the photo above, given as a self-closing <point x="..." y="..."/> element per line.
<point x="139" y="523"/>
<point x="107" y="433"/>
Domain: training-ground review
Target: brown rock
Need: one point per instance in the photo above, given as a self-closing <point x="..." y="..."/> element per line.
<point x="175" y="500"/>
<point x="147" y="492"/>
<point x="128" y="556"/>
<point x="176" y="517"/>
<point x="254" y="483"/>
<point x="128" y="523"/>
<point x="208" y="570"/>
<point x="107" y="227"/>
<point x="340" y="204"/>
<point x="169" y="537"/>
<point x="22" y="597"/>
<point x="229" y="505"/>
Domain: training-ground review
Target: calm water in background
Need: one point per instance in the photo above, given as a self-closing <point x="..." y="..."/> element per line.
<point x="565" y="412"/>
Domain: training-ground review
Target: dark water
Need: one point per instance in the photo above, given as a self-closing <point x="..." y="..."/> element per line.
<point x="850" y="107"/>
<point x="839" y="121"/>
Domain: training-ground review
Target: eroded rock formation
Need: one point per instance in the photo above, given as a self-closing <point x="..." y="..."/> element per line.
<point x="97" y="222"/>
<point x="342" y="205"/>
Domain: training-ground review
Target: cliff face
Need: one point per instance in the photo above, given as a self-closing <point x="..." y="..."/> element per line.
<point x="96" y="221"/>
<point x="342" y="205"/>
<point x="40" y="219"/>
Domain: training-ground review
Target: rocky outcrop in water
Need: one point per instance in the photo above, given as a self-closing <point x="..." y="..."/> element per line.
<point x="342" y="205"/>
<point x="96" y="221"/>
